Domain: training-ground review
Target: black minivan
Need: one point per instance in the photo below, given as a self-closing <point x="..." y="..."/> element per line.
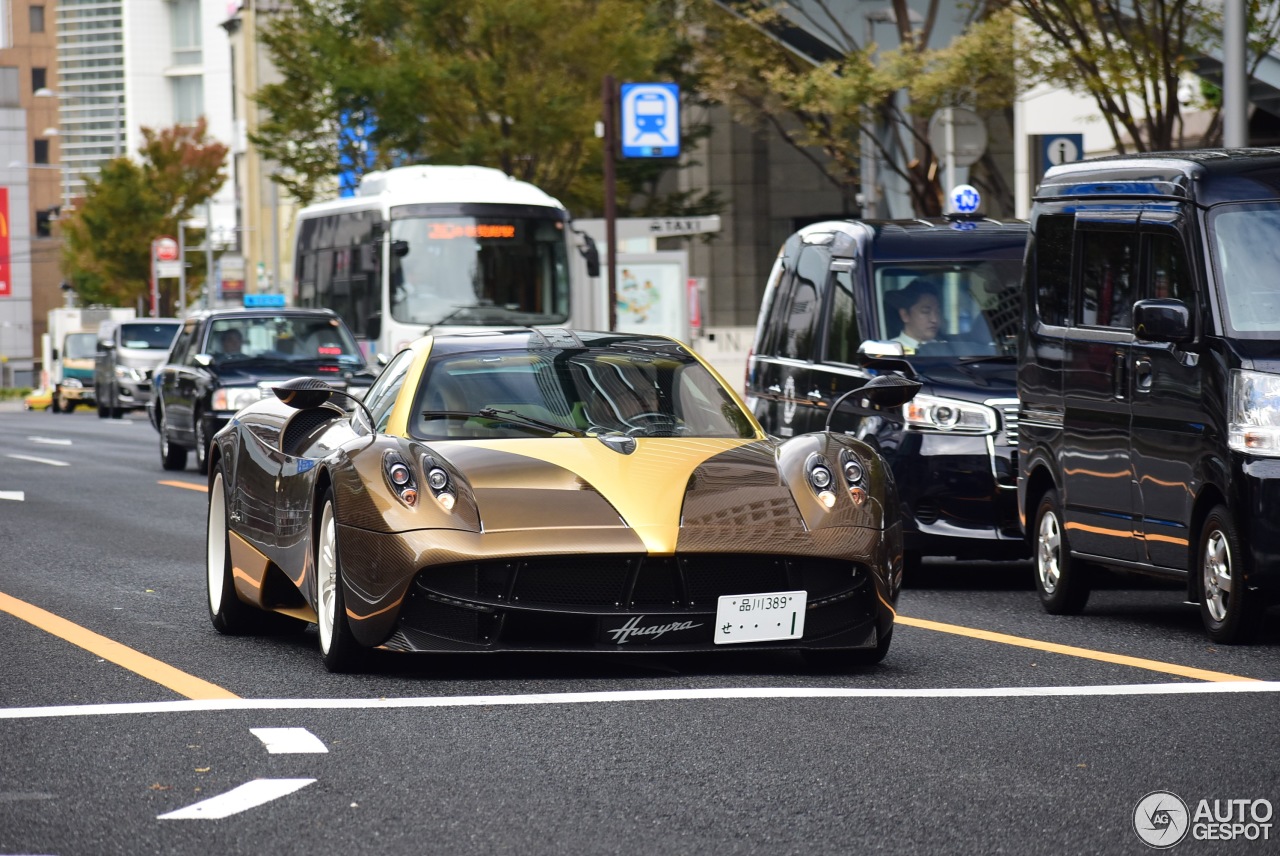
<point x="1150" y="379"/>
<point x="937" y="300"/>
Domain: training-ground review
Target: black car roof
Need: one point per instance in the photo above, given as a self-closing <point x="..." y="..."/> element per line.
<point x="1206" y="176"/>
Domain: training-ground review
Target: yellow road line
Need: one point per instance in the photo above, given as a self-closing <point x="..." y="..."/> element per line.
<point x="1072" y="651"/>
<point x="187" y="485"/>
<point x="108" y="649"/>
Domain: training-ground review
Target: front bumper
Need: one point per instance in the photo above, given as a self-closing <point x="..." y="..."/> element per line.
<point x="1256" y="506"/>
<point x="959" y="496"/>
<point x="629" y="603"/>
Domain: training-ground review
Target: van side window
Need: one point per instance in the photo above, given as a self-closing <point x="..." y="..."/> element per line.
<point x="1052" y="248"/>
<point x="1106" y="279"/>
<point x="844" y="336"/>
<point x="1167" y="271"/>
<point x="779" y="286"/>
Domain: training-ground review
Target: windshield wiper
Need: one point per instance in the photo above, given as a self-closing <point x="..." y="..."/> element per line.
<point x="507" y="415"/>
<point x="988" y="358"/>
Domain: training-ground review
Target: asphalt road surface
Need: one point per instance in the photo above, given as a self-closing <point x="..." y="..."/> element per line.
<point x="129" y="726"/>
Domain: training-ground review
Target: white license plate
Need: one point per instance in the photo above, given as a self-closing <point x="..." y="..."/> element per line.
<point x="764" y="617"/>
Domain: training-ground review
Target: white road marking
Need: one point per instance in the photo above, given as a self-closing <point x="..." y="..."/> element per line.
<point x="51" y="441"/>
<point x="195" y="705"/>
<point x="289" y="741"/>
<point x="16" y="495"/>
<point x="247" y="796"/>
<point x="48" y="461"/>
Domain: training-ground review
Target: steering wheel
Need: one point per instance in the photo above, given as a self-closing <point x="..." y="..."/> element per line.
<point x="653" y="424"/>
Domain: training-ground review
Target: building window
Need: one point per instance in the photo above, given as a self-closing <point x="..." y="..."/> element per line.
<point x="40" y="153"/>
<point x="188" y="99"/>
<point x="186" y="32"/>
<point x="39" y="79"/>
<point x="37" y="19"/>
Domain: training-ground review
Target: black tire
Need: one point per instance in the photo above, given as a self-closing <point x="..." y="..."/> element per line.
<point x="338" y="647"/>
<point x="103" y="412"/>
<point x="1062" y="582"/>
<point x="202" y="445"/>
<point x="229" y="614"/>
<point x="116" y="410"/>
<point x="1230" y="611"/>
<point x="172" y="456"/>
<point x="56" y="403"/>
<point x="843" y="659"/>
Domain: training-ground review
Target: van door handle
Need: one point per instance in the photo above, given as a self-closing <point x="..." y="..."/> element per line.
<point x="773" y="389"/>
<point x="1143" y="375"/>
<point x="1118" y="376"/>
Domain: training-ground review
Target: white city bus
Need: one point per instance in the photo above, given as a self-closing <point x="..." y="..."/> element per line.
<point x="423" y="249"/>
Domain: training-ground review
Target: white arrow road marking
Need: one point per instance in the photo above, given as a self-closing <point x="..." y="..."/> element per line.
<point x="247" y="796"/>
<point x="51" y="441"/>
<point x="48" y="461"/>
<point x="289" y="741"/>
<point x="13" y="494"/>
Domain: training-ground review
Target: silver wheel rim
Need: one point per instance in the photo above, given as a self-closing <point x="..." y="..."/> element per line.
<point x="1049" y="552"/>
<point x="164" y="438"/>
<point x="201" y="451"/>
<point x="217" y="546"/>
<point x="1218" y="577"/>
<point x="326" y="578"/>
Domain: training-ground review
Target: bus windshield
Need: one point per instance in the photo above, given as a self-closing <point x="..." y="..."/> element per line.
<point x="479" y="271"/>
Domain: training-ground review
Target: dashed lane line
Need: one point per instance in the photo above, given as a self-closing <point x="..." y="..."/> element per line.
<point x="713" y="694"/>
<point x="247" y="796"/>
<point x="15" y="495"/>
<point x="150" y="668"/>
<point x="33" y="459"/>
<point x="289" y="741"/>
<point x="1072" y="651"/>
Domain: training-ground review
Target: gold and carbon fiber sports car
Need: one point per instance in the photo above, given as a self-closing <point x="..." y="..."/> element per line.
<point x="550" y="490"/>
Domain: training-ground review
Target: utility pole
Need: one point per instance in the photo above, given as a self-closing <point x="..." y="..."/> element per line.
<point x="609" y="97"/>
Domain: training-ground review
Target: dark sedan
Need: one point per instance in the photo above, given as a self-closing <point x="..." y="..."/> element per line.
<point x="223" y="360"/>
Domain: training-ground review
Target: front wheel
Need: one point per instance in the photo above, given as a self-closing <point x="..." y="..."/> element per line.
<point x="172" y="456"/>
<point x="1062" y="582"/>
<point x="1231" y="613"/>
<point x="338" y="646"/>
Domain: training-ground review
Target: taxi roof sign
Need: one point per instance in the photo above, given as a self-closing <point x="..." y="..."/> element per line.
<point x="263" y="301"/>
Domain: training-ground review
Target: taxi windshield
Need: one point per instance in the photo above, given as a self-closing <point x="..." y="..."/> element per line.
<point x="949" y="308"/>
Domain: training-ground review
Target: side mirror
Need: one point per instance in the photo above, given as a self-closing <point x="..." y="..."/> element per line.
<point x="303" y="393"/>
<point x="373" y="326"/>
<point x="884" y="356"/>
<point x="105" y="345"/>
<point x="591" y="253"/>
<point x="400" y="249"/>
<point x="890" y="390"/>
<point x="1162" y="320"/>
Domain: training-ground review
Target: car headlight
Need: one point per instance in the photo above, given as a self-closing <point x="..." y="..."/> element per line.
<point x="72" y="383"/>
<point x="127" y="373"/>
<point x="235" y="397"/>
<point x="934" y="413"/>
<point x="1254" y="422"/>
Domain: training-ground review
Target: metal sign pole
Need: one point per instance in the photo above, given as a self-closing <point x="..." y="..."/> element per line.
<point x="608" y="96"/>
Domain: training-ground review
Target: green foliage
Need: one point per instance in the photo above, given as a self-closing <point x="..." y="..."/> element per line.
<point x="1131" y="55"/>
<point x="516" y="86"/>
<point x="107" y="239"/>
<point x="836" y="105"/>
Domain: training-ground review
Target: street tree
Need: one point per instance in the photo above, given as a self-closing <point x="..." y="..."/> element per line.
<point x="106" y="251"/>
<point x="516" y="86"/>
<point x="848" y="93"/>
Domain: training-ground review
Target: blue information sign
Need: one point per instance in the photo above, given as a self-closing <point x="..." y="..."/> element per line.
<point x="650" y="120"/>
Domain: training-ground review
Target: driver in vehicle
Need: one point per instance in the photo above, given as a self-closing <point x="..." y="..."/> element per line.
<point x="921" y="313"/>
<point x="230" y="342"/>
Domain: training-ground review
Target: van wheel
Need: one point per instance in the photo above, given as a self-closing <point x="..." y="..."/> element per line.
<point x="1062" y="582"/>
<point x="338" y="647"/>
<point x="1231" y="613"/>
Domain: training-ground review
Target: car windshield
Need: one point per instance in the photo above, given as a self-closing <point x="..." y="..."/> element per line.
<point x="287" y="338"/>
<point x="639" y="388"/>
<point x="1245" y="242"/>
<point x="147" y="337"/>
<point x="949" y="309"/>
<point x="81" y="346"/>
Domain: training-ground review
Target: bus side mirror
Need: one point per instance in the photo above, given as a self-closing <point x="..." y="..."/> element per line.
<point x="591" y="253"/>
<point x="373" y="326"/>
<point x="400" y="249"/>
